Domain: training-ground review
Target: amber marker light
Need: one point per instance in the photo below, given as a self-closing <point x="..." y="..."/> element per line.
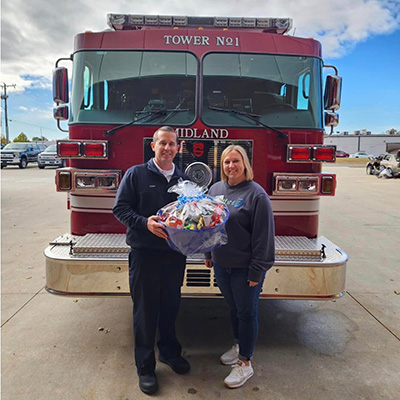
<point x="327" y="185"/>
<point x="64" y="180"/>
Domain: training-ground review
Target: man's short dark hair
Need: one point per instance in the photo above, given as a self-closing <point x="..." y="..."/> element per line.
<point x="165" y="129"/>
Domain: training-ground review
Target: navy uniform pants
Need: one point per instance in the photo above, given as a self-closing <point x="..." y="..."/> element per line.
<point x="155" y="282"/>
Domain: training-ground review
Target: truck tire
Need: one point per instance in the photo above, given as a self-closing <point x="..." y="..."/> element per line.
<point x="3" y="166"/>
<point x="41" y="166"/>
<point x="23" y="163"/>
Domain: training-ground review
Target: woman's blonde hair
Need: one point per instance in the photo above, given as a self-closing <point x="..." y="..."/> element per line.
<point x="248" y="171"/>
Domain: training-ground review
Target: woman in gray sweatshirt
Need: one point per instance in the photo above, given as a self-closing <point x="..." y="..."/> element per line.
<point x="240" y="265"/>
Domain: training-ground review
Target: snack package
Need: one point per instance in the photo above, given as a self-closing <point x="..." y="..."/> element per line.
<point x="195" y="223"/>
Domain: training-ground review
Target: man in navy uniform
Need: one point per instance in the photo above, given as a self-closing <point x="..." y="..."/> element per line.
<point x="155" y="271"/>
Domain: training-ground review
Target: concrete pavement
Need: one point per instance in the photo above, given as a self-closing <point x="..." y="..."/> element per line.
<point x="347" y="349"/>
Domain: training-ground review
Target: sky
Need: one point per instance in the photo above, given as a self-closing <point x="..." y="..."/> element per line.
<point x="360" y="37"/>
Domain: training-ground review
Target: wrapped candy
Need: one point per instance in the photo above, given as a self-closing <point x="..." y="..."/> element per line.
<point x="195" y="223"/>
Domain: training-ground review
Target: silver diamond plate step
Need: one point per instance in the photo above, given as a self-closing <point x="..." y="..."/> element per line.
<point x="114" y="245"/>
<point x="101" y="243"/>
<point x="297" y="246"/>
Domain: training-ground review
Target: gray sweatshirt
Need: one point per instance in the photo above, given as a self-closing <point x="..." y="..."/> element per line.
<point x="250" y="229"/>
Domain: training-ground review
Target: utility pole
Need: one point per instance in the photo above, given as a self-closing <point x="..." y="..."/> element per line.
<point x="4" y="97"/>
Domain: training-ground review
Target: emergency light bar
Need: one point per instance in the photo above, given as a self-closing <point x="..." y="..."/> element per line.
<point x="132" y="22"/>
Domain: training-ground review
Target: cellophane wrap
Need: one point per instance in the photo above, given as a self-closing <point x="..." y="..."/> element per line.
<point x="195" y="223"/>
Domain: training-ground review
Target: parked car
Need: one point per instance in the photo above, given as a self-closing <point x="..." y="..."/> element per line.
<point x="19" y="154"/>
<point x="361" y="154"/>
<point x="341" y="153"/>
<point x="373" y="166"/>
<point x="390" y="162"/>
<point x="49" y="158"/>
<point x="42" y="146"/>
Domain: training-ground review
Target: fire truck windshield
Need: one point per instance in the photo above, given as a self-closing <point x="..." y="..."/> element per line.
<point x="282" y="91"/>
<point x="153" y="87"/>
<point x="129" y="87"/>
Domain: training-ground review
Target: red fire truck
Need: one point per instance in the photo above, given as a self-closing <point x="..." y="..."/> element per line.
<point x="217" y="81"/>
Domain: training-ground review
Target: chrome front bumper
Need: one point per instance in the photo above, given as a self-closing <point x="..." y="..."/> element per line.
<point x="10" y="160"/>
<point x="98" y="266"/>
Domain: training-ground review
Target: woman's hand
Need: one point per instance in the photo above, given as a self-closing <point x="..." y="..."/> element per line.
<point x="252" y="283"/>
<point x="208" y="262"/>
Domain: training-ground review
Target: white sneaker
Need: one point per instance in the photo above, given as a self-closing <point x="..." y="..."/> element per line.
<point x="239" y="375"/>
<point x="231" y="356"/>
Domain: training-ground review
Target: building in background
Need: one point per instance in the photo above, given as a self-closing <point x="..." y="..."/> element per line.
<point x="372" y="144"/>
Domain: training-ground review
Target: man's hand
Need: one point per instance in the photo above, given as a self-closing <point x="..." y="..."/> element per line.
<point x="209" y="263"/>
<point x="155" y="227"/>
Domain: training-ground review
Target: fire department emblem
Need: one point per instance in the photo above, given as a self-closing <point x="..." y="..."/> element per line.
<point x="198" y="149"/>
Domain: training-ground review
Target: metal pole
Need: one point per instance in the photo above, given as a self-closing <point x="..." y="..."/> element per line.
<point x="4" y="97"/>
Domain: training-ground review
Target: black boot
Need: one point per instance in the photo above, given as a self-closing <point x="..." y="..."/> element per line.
<point x="148" y="383"/>
<point x="178" y="364"/>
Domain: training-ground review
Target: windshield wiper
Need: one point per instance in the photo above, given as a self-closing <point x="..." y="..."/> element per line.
<point x="174" y="110"/>
<point x="149" y="116"/>
<point x="253" y="117"/>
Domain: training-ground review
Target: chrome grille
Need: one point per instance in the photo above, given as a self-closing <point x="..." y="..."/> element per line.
<point x="200" y="278"/>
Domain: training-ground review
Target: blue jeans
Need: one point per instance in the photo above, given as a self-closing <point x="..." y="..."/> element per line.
<point x="243" y="302"/>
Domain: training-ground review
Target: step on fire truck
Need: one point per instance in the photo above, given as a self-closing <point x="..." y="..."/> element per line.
<point x="217" y="81"/>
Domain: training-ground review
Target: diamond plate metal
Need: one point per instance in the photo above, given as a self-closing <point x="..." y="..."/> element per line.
<point x="297" y="246"/>
<point x="101" y="243"/>
<point x="289" y="248"/>
<point x="106" y="273"/>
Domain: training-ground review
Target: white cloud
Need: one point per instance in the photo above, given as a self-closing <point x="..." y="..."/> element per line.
<point x="35" y="34"/>
<point x="37" y="112"/>
<point x="340" y="25"/>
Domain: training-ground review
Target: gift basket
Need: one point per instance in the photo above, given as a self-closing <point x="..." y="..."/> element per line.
<point x="195" y="223"/>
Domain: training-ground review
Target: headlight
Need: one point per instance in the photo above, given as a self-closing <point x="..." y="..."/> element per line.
<point x="87" y="180"/>
<point x="304" y="184"/>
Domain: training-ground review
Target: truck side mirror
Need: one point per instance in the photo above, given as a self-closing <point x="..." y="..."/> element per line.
<point x="331" y="119"/>
<point x="60" y="112"/>
<point x="60" y="85"/>
<point x="333" y="92"/>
